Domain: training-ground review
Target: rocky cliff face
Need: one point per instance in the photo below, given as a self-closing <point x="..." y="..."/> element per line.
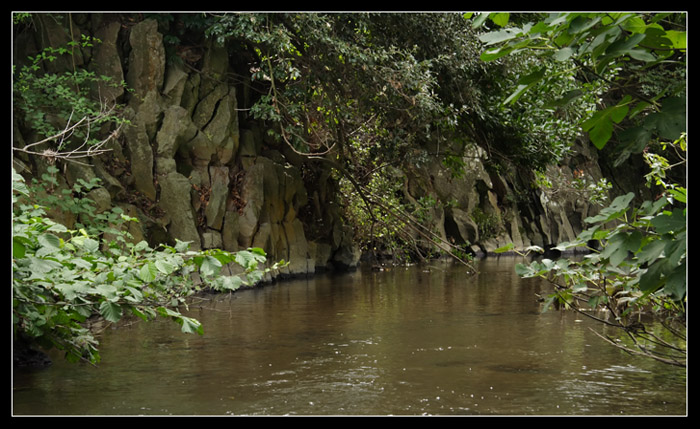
<point x="218" y="183"/>
<point x="193" y="166"/>
<point x="486" y="209"/>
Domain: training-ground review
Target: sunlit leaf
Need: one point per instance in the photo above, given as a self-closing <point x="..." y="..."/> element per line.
<point x="616" y="209"/>
<point x="500" y="19"/>
<point x="148" y="272"/>
<point x="190" y="325"/>
<point x="505" y="248"/>
<point x="165" y="267"/>
<point x="494" y="37"/>
<point x="210" y="266"/>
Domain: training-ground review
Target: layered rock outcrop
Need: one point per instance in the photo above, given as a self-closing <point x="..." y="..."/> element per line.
<point x="193" y="166"/>
<point x="213" y="179"/>
<point x="484" y="210"/>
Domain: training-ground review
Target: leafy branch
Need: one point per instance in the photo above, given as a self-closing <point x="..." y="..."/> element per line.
<point x="64" y="279"/>
<point x="636" y="266"/>
<point x="602" y="46"/>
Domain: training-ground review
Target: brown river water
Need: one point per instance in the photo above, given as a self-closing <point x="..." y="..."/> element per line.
<point x="419" y="340"/>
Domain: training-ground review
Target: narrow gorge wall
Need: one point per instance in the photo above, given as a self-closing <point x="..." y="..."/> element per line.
<point x="195" y="167"/>
<point x="188" y="168"/>
<point x="489" y="207"/>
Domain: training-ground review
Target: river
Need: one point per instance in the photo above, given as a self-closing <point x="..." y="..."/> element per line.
<point x="419" y="340"/>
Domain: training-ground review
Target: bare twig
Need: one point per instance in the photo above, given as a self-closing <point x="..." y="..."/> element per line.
<point x="643" y="351"/>
<point x="84" y="150"/>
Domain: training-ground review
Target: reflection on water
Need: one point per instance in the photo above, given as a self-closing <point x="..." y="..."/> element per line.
<point x="409" y="341"/>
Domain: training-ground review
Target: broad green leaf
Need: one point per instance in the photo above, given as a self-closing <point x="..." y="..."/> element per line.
<point x="675" y="249"/>
<point x="669" y="222"/>
<point x="581" y="24"/>
<point x="479" y="20"/>
<point x="228" y="283"/>
<point x="182" y="246"/>
<point x="624" y="46"/>
<point x="18" y="249"/>
<point x="524" y="270"/>
<point x="110" y="311"/>
<point x="46" y="251"/>
<point x="642" y="55"/>
<point x="165" y="267"/>
<point x="652" y="279"/>
<point x="634" y="24"/>
<point x="616" y="209"/>
<point x="18" y="184"/>
<point x="135" y="295"/>
<point x="494" y="54"/>
<point x="600" y="125"/>
<point x="652" y="251"/>
<point x="258" y="251"/>
<point x="107" y="291"/>
<point x="679" y="39"/>
<point x="563" y="54"/>
<point x="500" y="19"/>
<point x="505" y="248"/>
<point x="49" y="240"/>
<point x="39" y="266"/>
<point x="82" y="263"/>
<point x="676" y="282"/>
<point x="148" y="272"/>
<point x="57" y="227"/>
<point x="90" y="245"/>
<point x="254" y="276"/>
<point x="656" y="38"/>
<point x="223" y="257"/>
<point x="493" y="37"/>
<point x="210" y="266"/>
<point x="71" y="291"/>
<point x="141" y="246"/>
<point x="621" y="245"/>
<point x="248" y="259"/>
<point x="670" y="121"/>
<point x="190" y="325"/>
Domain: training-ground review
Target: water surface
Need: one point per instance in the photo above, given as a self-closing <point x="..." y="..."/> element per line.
<point x="409" y="341"/>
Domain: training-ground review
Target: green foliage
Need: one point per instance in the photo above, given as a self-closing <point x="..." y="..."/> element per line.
<point x="553" y="183"/>
<point x="488" y="223"/>
<point x="370" y="94"/>
<point x="63" y="278"/>
<point x="50" y="102"/>
<point x="640" y="265"/>
<point x="616" y="50"/>
<point x="76" y="201"/>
